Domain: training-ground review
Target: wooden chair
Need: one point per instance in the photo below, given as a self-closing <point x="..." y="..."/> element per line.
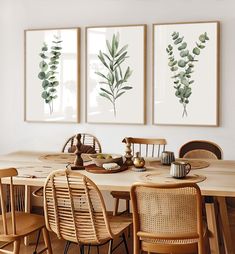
<point x="167" y="218"/>
<point x="75" y="210"/>
<point x="87" y="140"/>
<point x="203" y="149"/>
<point x="200" y="149"/>
<point x="16" y="225"/>
<point x="91" y="145"/>
<point x="147" y="148"/>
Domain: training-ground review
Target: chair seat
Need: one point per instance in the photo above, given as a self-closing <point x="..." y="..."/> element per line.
<point x="119" y="224"/>
<point x="25" y="224"/>
<point x="121" y="194"/>
<point x="183" y="241"/>
<point x="38" y="193"/>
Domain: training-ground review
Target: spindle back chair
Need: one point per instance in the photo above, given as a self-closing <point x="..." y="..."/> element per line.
<point x="147" y="147"/>
<point x="87" y="140"/>
<point x="15" y="225"/>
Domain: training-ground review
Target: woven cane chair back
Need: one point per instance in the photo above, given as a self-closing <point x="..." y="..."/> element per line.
<point x="166" y="214"/>
<point x="147" y="147"/>
<point x="200" y="149"/>
<point x="86" y="139"/>
<point x="74" y="208"/>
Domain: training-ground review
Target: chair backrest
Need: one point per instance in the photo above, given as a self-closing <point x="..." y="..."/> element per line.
<point x="147" y="147"/>
<point x="86" y="139"/>
<point x="74" y="208"/>
<point x="8" y="229"/>
<point x="166" y="212"/>
<point x="200" y="149"/>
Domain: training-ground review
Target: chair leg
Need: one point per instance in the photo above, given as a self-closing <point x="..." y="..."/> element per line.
<point x="128" y="206"/>
<point x="116" y="204"/>
<point x="212" y="226"/>
<point x="82" y="249"/>
<point x="98" y="251"/>
<point x="38" y="238"/>
<point x="16" y="248"/>
<point x="125" y="243"/>
<point x="66" y="248"/>
<point x="89" y="248"/>
<point x="47" y="241"/>
<point x="110" y="246"/>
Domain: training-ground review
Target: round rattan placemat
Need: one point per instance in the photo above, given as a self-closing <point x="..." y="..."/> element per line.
<point x="34" y="171"/>
<point x="195" y="164"/>
<point x="63" y="158"/>
<point x="166" y="178"/>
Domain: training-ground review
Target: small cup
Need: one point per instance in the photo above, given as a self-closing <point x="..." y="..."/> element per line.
<point x="180" y="169"/>
<point x="167" y="157"/>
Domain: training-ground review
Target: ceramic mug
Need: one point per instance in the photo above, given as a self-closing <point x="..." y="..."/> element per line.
<point x="180" y="169"/>
<point x="167" y="157"/>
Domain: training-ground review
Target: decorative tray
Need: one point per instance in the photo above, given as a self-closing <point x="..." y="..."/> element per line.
<point x="92" y="168"/>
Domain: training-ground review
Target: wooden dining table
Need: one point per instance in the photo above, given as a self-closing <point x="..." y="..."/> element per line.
<point x="216" y="181"/>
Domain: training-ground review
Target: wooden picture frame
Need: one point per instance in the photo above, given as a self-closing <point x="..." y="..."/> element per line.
<point x="186" y="73"/>
<point x="52" y="75"/>
<point x="116" y="74"/>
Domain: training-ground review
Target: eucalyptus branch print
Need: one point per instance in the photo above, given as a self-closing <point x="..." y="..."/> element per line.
<point x="48" y="70"/>
<point x="114" y="80"/>
<point x="184" y="66"/>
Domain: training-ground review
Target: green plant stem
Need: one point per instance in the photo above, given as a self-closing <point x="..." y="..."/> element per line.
<point x="184" y="111"/>
<point x="114" y="108"/>
<point x="50" y="107"/>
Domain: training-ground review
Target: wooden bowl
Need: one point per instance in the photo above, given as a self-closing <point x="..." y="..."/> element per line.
<point x="100" y="161"/>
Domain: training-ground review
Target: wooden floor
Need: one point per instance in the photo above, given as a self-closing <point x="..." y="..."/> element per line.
<point x="58" y="247"/>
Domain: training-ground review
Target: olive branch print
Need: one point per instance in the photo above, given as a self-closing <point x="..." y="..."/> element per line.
<point x="48" y="74"/>
<point x="184" y="66"/>
<point x="114" y="80"/>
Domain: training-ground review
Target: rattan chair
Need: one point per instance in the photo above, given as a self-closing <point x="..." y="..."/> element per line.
<point x="167" y="218"/>
<point x="200" y="149"/>
<point x="75" y="210"/>
<point x="16" y="225"/>
<point x="203" y="149"/>
<point x="147" y="147"/>
<point x="90" y="145"/>
<point x="87" y="140"/>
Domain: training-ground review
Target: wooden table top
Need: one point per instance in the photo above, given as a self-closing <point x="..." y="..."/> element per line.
<point x="220" y="174"/>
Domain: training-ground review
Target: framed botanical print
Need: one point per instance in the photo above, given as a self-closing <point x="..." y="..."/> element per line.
<point x="186" y="73"/>
<point x="52" y="75"/>
<point x="115" y="74"/>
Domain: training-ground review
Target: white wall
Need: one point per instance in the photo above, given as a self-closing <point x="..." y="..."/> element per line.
<point x="17" y="15"/>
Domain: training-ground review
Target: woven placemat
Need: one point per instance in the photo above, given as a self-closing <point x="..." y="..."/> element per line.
<point x="63" y="158"/>
<point x="34" y="171"/>
<point x="195" y="164"/>
<point x="166" y="178"/>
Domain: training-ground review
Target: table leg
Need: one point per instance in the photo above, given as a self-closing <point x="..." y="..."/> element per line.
<point x="223" y="213"/>
<point x="212" y="227"/>
<point x="27" y="207"/>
